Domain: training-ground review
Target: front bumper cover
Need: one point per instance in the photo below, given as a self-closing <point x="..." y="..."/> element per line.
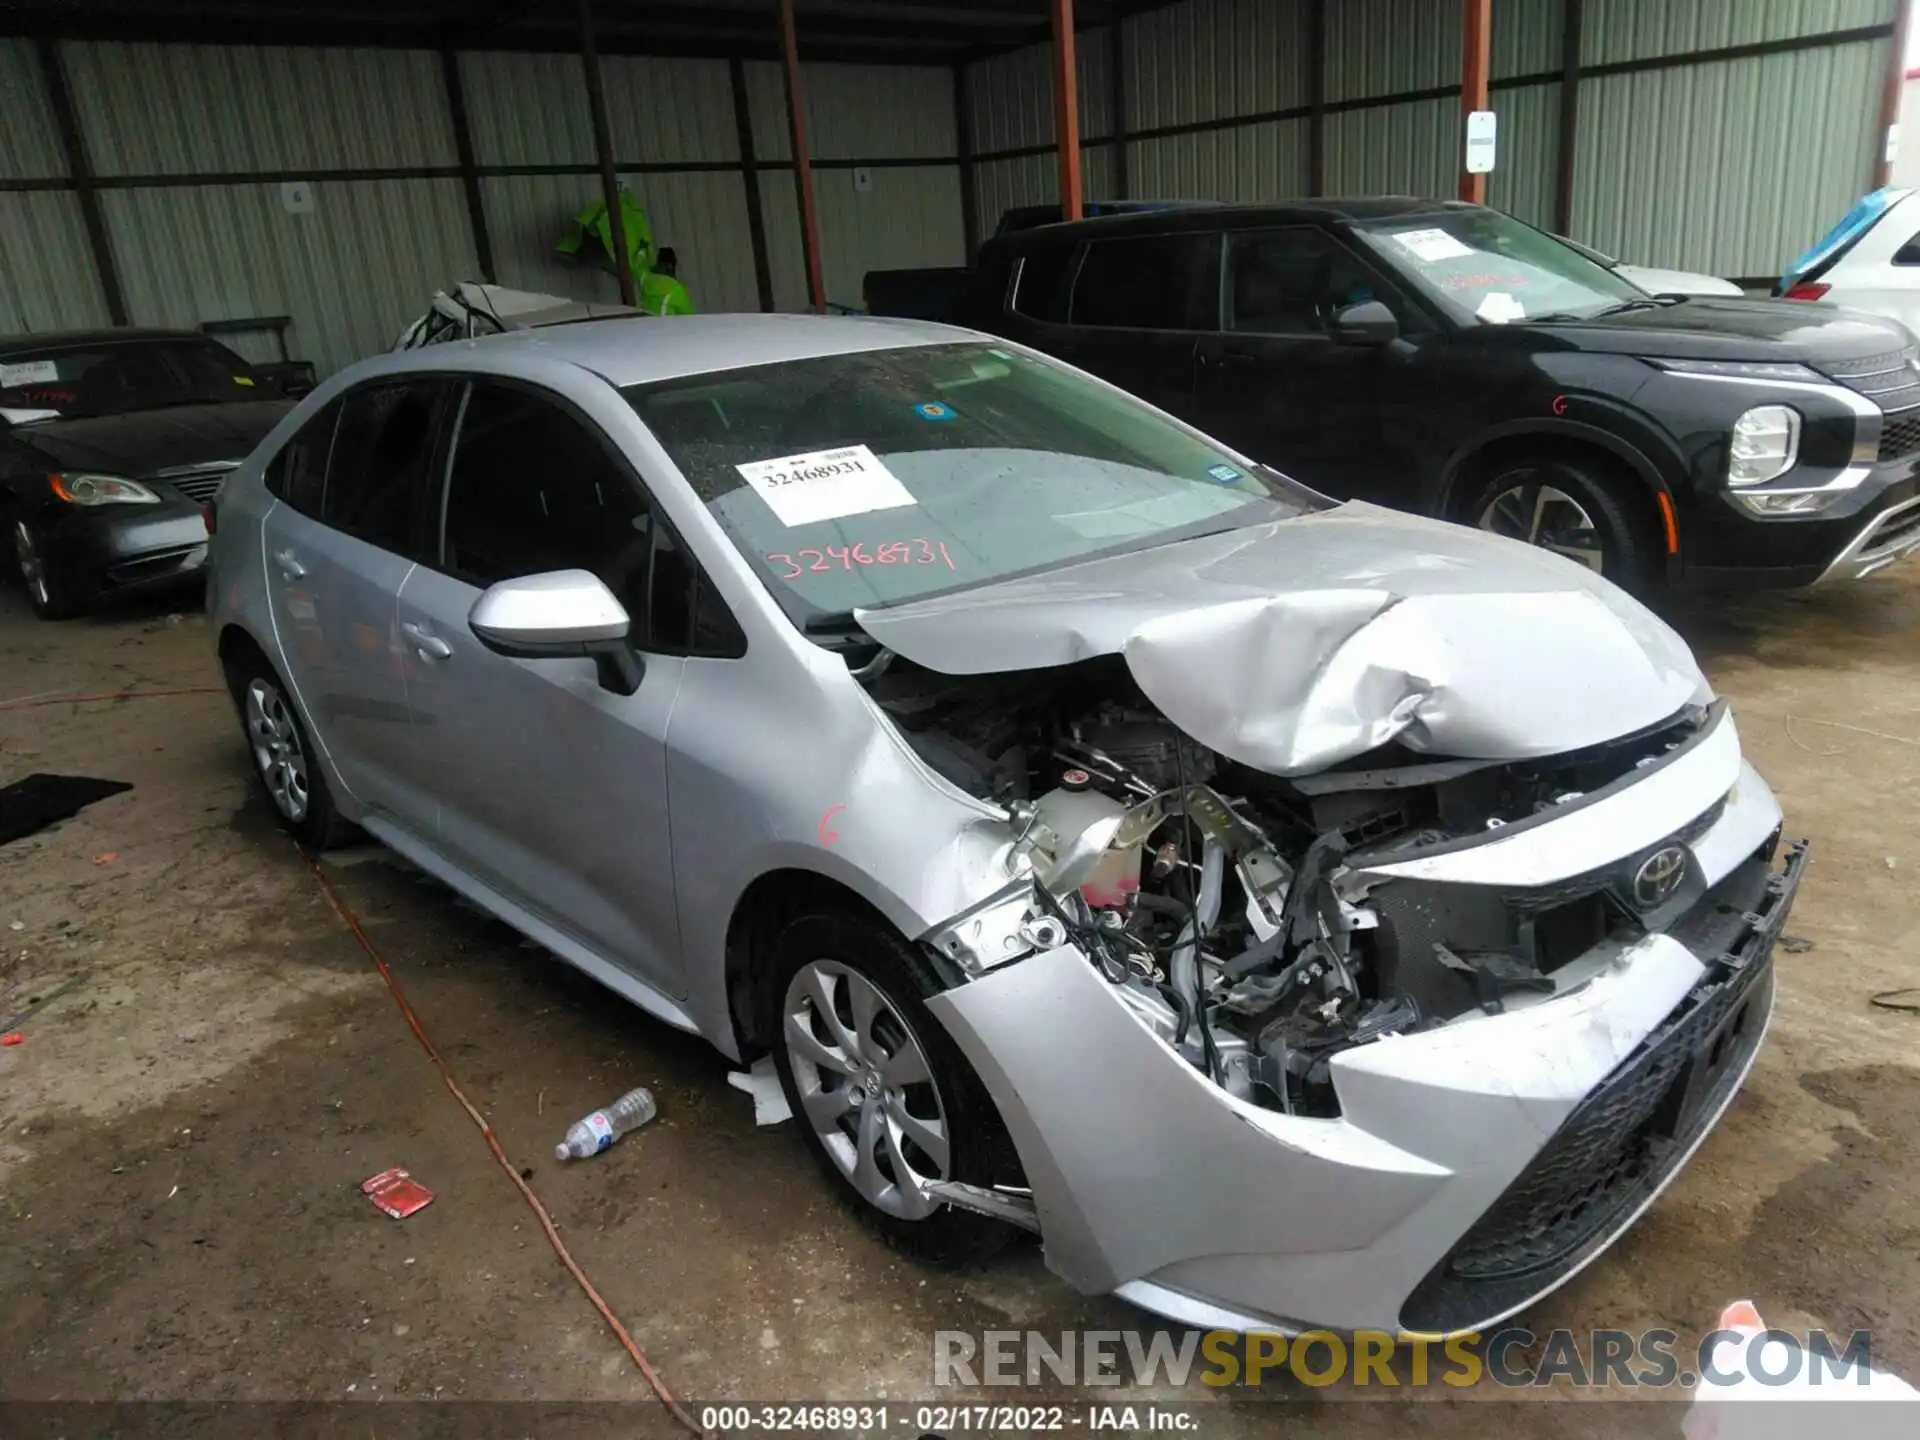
<point x="1443" y="1198"/>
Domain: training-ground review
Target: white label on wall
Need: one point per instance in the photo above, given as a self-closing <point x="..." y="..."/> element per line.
<point x="296" y="197"/>
<point x="825" y="485"/>
<point x="1481" y="125"/>
<point x="1431" y="245"/>
<point x="862" y="179"/>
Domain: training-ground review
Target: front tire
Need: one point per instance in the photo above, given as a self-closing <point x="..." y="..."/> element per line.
<point x="284" y="761"/>
<point x="1578" y="509"/>
<point x="49" y="592"/>
<point x="881" y="1093"/>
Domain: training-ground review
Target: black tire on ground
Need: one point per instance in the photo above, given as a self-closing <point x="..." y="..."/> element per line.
<point x="1613" y="501"/>
<point x="48" y="591"/>
<point x="276" y="738"/>
<point x="980" y="1152"/>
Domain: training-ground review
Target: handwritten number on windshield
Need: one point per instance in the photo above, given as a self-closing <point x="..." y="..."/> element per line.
<point x="894" y="552"/>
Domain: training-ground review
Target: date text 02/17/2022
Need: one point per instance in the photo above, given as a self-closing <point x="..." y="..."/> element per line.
<point x="946" y="1419"/>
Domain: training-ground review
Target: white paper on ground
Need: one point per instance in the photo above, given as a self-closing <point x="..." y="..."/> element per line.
<point x="825" y="485"/>
<point x="1431" y="245"/>
<point x="762" y="1082"/>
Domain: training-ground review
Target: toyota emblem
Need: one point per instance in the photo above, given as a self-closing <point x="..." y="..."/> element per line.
<point x="1659" y="876"/>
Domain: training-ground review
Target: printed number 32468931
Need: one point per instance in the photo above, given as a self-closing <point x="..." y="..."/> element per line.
<point x="894" y="552"/>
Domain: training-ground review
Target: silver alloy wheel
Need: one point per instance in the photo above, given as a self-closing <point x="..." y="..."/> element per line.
<point x="277" y="749"/>
<point x="33" y="569"/>
<point x="1549" y="518"/>
<point x="866" y="1087"/>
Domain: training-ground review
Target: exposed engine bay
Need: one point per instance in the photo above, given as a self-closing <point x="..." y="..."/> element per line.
<point x="1227" y="904"/>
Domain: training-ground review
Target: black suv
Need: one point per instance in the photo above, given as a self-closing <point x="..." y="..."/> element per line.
<point x="1447" y="358"/>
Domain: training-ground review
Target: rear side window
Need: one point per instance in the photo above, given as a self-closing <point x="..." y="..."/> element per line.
<point x="532" y="488"/>
<point x="298" y="474"/>
<point x="1040" y="290"/>
<point x="377" y="478"/>
<point x="1150" y="282"/>
<point x="1909" y="253"/>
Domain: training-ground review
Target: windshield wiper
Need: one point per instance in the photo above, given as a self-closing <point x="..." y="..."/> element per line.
<point x="1619" y="307"/>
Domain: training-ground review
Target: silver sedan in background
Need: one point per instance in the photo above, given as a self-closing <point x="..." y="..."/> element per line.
<point x="1295" y="913"/>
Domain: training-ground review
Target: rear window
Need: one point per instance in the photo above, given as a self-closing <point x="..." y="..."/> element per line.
<point x="880" y="477"/>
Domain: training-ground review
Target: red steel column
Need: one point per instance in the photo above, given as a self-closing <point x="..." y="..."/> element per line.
<point x="1476" y="56"/>
<point x="1066" y="105"/>
<point x="802" y="163"/>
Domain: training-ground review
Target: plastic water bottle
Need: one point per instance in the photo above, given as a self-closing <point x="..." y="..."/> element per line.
<point x="604" y="1126"/>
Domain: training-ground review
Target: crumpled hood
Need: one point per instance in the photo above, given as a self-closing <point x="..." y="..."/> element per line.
<point x="1296" y="644"/>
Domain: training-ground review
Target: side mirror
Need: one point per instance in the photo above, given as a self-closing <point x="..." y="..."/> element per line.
<point x="1368" y="323"/>
<point x="561" y="613"/>
<point x="1081" y="856"/>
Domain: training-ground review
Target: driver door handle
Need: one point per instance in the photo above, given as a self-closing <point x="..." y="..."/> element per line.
<point x="289" y="565"/>
<point x="430" y="645"/>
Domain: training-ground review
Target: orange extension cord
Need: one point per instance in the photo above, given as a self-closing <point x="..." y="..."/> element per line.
<point x="533" y="1201"/>
<point x="341" y="908"/>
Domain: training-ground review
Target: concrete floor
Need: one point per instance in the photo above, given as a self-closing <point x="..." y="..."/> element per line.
<point x="182" y="1135"/>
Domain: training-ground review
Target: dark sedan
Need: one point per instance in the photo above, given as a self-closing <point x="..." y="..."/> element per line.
<point x="111" y="444"/>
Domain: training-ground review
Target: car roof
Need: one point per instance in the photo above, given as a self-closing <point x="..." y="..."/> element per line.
<point x="1317" y="210"/>
<point x="74" y="339"/>
<point x="640" y="349"/>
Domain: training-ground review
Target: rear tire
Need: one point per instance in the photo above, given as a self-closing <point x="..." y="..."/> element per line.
<point x="48" y="591"/>
<point x="880" y="1091"/>
<point x="284" y="760"/>
<point x="1581" y="509"/>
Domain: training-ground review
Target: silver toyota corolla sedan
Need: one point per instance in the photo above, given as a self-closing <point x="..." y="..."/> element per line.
<point x="1296" y="913"/>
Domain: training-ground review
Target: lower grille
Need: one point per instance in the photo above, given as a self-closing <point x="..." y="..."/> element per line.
<point x="1622" y="1142"/>
<point x="1900" y="435"/>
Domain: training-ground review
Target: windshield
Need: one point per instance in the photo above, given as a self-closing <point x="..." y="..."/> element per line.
<point x="1481" y="265"/>
<point x="874" y="478"/>
<point x="118" y="377"/>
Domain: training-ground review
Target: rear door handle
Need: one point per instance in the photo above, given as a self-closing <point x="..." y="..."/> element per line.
<point x="430" y="645"/>
<point x="289" y="565"/>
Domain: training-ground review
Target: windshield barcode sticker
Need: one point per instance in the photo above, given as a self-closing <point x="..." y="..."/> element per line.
<point x="29" y="372"/>
<point x="825" y="485"/>
<point x="1431" y="245"/>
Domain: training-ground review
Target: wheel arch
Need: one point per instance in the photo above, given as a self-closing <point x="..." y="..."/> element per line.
<point x="767" y="906"/>
<point x="1560" y="438"/>
<point x="1569" y="442"/>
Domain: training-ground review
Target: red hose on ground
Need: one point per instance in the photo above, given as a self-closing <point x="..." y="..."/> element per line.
<point x="34" y="702"/>
<point x="540" y="1211"/>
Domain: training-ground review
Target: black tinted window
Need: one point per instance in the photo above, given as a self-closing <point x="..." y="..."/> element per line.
<point x="122" y="377"/>
<point x="298" y="474"/>
<point x="1150" y="282"/>
<point x="1040" y="292"/>
<point x="1909" y="253"/>
<point x="533" y="489"/>
<point x="377" y="478"/>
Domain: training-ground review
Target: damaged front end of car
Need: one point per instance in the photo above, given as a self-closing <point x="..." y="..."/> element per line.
<point x="1315" y="1008"/>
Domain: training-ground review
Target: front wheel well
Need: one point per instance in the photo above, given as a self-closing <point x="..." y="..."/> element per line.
<point x="767" y="907"/>
<point x="1639" y="495"/>
<point x="235" y="647"/>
